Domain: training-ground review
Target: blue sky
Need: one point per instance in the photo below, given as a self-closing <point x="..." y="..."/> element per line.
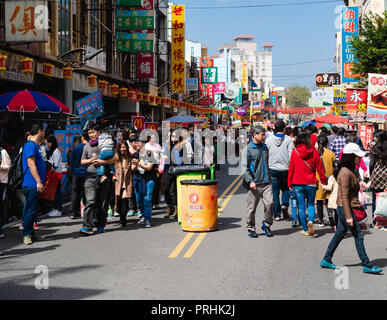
<point x="299" y="33"/>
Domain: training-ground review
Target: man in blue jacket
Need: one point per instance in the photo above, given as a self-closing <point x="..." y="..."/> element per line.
<point x="79" y="177"/>
<point x="256" y="175"/>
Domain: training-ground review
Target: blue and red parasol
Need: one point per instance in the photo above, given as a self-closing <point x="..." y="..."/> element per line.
<point x="29" y="101"/>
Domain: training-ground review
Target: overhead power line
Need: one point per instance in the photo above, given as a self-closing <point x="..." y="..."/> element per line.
<point x="262" y="5"/>
<point x="305" y="62"/>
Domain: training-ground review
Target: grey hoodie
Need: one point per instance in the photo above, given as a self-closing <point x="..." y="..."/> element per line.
<point x="280" y="149"/>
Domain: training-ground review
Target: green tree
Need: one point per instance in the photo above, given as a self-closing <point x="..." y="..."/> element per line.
<point x="297" y="96"/>
<point x="370" y="48"/>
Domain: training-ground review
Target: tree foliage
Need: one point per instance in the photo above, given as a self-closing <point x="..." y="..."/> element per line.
<point x="370" y="48"/>
<point x="297" y="96"/>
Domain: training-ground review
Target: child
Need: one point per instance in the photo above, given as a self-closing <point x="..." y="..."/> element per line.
<point x="333" y="188"/>
<point x="293" y="202"/>
<point x="106" y="152"/>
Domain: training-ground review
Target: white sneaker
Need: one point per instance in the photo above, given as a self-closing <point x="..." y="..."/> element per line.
<point x="54" y="213"/>
<point x="162" y="198"/>
<point x="116" y="214"/>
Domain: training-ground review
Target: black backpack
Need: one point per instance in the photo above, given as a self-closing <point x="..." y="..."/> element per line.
<point x="15" y="174"/>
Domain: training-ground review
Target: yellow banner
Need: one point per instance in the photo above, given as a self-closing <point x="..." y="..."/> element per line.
<point x="244" y="77"/>
<point x="178" y="49"/>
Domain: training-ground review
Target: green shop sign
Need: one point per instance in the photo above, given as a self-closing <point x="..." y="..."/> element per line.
<point x="135" y="42"/>
<point x="135" y="20"/>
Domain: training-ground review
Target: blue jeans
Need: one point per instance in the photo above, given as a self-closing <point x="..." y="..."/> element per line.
<point x="144" y="193"/>
<point x="308" y="193"/>
<point x="342" y="228"/>
<point x="105" y="155"/>
<point x="279" y="181"/>
<point x="30" y="210"/>
<point x="294" y="205"/>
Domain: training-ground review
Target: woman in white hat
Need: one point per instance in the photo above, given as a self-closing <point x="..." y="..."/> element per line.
<point x="347" y="200"/>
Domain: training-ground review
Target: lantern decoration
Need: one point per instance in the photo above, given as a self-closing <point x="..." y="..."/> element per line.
<point x="139" y="96"/>
<point x="48" y="69"/>
<point x="123" y="92"/>
<point x="92" y="80"/>
<point x="114" y="89"/>
<point x="169" y="101"/>
<point x="158" y="100"/>
<point x="26" y="65"/>
<point x="102" y="85"/>
<point x="152" y="100"/>
<point x="131" y="96"/>
<point x="173" y="103"/>
<point x="145" y="97"/>
<point x="3" y="60"/>
<point x="67" y="73"/>
<point x="164" y="101"/>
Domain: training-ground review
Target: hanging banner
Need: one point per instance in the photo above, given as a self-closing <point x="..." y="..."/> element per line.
<point x="377" y="97"/>
<point x="238" y="99"/>
<point x="91" y="106"/>
<point x="356" y="105"/>
<point x="145" y="65"/>
<point x="206" y="94"/>
<point x="245" y="83"/>
<point x="138" y="122"/>
<point x="65" y="139"/>
<point x="178" y="49"/>
<point x="350" y="29"/>
<point x="366" y="132"/>
<point x="26" y="21"/>
<point x="274" y="99"/>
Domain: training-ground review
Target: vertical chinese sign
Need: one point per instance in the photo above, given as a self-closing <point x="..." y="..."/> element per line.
<point x="349" y="30"/>
<point x="145" y="65"/>
<point x="365" y="134"/>
<point x="356" y="105"/>
<point x="178" y="49"/>
<point x="245" y="83"/>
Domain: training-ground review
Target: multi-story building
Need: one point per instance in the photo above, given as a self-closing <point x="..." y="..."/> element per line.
<point x="76" y="30"/>
<point x="244" y="50"/>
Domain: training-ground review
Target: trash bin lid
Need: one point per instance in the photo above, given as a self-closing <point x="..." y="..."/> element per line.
<point x="190" y="168"/>
<point x="199" y="182"/>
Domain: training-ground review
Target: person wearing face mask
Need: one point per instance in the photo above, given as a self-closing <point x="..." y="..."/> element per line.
<point x="347" y="201"/>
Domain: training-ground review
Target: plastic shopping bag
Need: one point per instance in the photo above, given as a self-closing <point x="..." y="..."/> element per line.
<point x="381" y="205"/>
<point x="50" y="185"/>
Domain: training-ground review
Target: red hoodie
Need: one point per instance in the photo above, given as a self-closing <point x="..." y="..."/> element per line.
<point x="299" y="172"/>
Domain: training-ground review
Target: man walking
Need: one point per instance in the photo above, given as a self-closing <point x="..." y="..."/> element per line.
<point x="256" y="175"/>
<point x="339" y="143"/>
<point x="34" y="172"/>
<point x="280" y="148"/>
<point x="97" y="193"/>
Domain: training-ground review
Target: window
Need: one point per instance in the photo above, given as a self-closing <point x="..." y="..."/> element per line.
<point x="94" y="25"/>
<point x="64" y="26"/>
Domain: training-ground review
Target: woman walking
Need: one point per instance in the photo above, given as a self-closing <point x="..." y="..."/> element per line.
<point x="123" y="184"/>
<point x="55" y="158"/>
<point x="348" y="199"/>
<point x="328" y="159"/>
<point x="304" y="162"/>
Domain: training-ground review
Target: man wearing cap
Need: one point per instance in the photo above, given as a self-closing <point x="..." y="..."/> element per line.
<point x="256" y="175"/>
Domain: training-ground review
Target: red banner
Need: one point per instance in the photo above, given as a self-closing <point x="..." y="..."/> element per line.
<point x="365" y="134"/>
<point x="145" y="65"/>
<point x="138" y="122"/>
<point x="151" y="125"/>
<point x="206" y="94"/>
<point x="357" y="104"/>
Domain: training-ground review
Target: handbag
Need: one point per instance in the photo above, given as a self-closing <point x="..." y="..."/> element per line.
<point x="50" y="185"/>
<point x="359" y="213"/>
<point x="381" y="205"/>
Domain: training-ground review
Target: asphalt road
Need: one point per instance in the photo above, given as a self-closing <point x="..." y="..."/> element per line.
<point x="156" y="263"/>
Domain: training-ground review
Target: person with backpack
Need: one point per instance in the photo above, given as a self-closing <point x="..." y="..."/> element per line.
<point x="256" y="175"/>
<point x="5" y="165"/>
<point x="34" y="173"/>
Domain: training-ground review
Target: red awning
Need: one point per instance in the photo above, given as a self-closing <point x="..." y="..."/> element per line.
<point x="331" y="119"/>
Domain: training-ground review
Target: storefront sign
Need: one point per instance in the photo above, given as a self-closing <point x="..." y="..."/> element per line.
<point x="327" y="79"/>
<point x="130" y="3"/>
<point x="192" y="84"/>
<point x="238" y="99"/>
<point x="209" y="75"/>
<point x="145" y="65"/>
<point x="205" y="62"/>
<point x="350" y="30"/>
<point x="356" y="105"/>
<point x="255" y="95"/>
<point x="339" y="99"/>
<point x="135" y="19"/>
<point x="206" y="94"/>
<point x="13" y="70"/>
<point x="26" y="21"/>
<point x="178" y="49"/>
<point x="219" y="87"/>
<point x="91" y="106"/>
<point x="135" y="42"/>
<point x="365" y="134"/>
<point x="65" y="139"/>
<point x="377" y="97"/>
<point x="151" y="125"/>
<point x="138" y="122"/>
